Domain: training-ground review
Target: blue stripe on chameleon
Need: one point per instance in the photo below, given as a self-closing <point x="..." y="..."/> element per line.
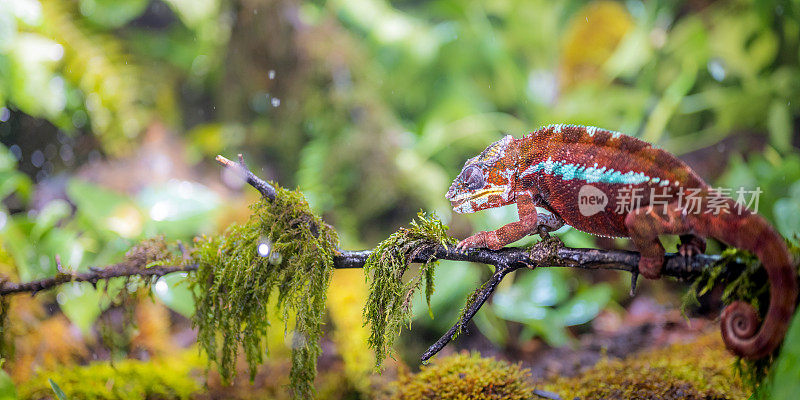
<point x="590" y="174"/>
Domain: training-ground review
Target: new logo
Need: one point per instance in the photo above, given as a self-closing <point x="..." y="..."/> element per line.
<point x="591" y="200"/>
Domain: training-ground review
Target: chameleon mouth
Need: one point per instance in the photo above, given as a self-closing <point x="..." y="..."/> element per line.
<point x="463" y="198"/>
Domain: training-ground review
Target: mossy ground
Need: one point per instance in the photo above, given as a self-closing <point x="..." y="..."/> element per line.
<point x="463" y="376"/>
<point x="177" y="377"/>
<point x="699" y="370"/>
<point x="180" y="376"/>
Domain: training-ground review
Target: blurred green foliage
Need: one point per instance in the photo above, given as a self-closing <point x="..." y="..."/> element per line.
<point x="370" y="107"/>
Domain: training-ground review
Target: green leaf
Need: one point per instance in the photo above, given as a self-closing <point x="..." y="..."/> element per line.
<point x="112" y="13"/>
<point x="57" y="390"/>
<point x="550" y="330"/>
<point x="7" y="389"/>
<point x="12" y="181"/>
<point x="786" y="370"/>
<point x="194" y="13"/>
<point x="531" y="296"/>
<point x="511" y="306"/>
<point x="585" y="305"/>
<point x="787" y="216"/>
<point x="779" y="122"/>
<point x="7" y="160"/>
<point x="47" y="219"/>
<point x="451" y="288"/>
<point x="179" y="208"/>
<point x="543" y="286"/>
<point x="96" y="204"/>
<point x="81" y="303"/>
<point x="491" y="326"/>
<point x="173" y="291"/>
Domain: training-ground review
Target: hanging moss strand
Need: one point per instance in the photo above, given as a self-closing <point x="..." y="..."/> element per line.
<point x="388" y="305"/>
<point x="284" y="250"/>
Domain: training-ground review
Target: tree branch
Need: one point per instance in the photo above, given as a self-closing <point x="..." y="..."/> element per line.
<point x="95" y="275"/>
<point x="547" y="253"/>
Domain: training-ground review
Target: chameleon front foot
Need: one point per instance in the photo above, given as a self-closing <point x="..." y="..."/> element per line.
<point x="650" y="266"/>
<point x="481" y="239"/>
<point x="691" y="245"/>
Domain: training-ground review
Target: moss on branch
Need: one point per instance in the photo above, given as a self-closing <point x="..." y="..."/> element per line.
<point x="388" y="306"/>
<point x="283" y="252"/>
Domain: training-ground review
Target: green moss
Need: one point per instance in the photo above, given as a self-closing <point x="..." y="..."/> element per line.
<point x="169" y="378"/>
<point x="744" y="279"/>
<point x="388" y="305"/>
<point x="464" y="376"/>
<point x="699" y="370"/>
<point x="6" y="344"/>
<point x="151" y="251"/>
<point x="284" y="250"/>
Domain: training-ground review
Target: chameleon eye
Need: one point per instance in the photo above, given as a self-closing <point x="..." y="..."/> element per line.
<point x="473" y="178"/>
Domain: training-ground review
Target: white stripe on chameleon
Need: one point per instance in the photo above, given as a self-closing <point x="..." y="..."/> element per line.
<point x="591" y="130"/>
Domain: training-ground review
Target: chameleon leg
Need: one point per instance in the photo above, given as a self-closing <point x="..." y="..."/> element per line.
<point x="691" y="245"/>
<point x="547" y="223"/>
<point x="644" y="225"/>
<point x="496" y="239"/>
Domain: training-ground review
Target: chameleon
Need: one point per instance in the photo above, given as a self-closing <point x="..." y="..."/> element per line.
<point x="609" y="184"/>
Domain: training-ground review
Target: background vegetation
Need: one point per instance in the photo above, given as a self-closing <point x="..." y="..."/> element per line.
<point x="111" y="112"/>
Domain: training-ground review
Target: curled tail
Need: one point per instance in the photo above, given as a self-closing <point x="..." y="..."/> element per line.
<point x="739" y="320"/>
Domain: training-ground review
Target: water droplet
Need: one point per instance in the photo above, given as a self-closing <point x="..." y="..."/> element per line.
<point x="275" y="101"/>
<point x="37" y="159"/>
<point x="3" y="219"/>
<point x="264" y="248"/>
<point x="50" y="151"/>
<point x="162" y="210"/>
<point x="66" y="153"/>
<point x="16" y="151"/>
<point x="5" y="114"/>
<point x="271" y="74"/>
<point x="161" y="287"/>
<point x="79" y="119"/>
<point x="94" y="156"/>
<point x="275" y="258"/>
<point x="56" y="52"/>
<point x="717" y="69"/>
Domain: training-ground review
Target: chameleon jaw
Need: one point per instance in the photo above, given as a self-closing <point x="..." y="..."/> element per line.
<point x="462" y="203"/>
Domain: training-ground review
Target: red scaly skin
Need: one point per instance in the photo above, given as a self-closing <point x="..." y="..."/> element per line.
<point x="609" y="184"/>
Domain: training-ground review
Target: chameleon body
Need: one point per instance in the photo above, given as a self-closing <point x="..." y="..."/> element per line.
<point x="609" y="184"/>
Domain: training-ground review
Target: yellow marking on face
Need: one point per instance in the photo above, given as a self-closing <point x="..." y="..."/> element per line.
<point x="479" y="194"/>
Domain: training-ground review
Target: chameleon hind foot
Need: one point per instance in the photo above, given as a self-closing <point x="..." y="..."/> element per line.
<point x="691" y="245"/>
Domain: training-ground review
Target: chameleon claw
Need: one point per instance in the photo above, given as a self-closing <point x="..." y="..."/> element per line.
<point x="543" y="232"/>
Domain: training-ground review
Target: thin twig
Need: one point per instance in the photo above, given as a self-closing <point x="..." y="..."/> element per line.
<point x="95" y="275"/>
<point x="262" y="186"/>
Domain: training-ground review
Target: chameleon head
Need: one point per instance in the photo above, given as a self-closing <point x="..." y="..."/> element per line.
<point x="486" y="181"/>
